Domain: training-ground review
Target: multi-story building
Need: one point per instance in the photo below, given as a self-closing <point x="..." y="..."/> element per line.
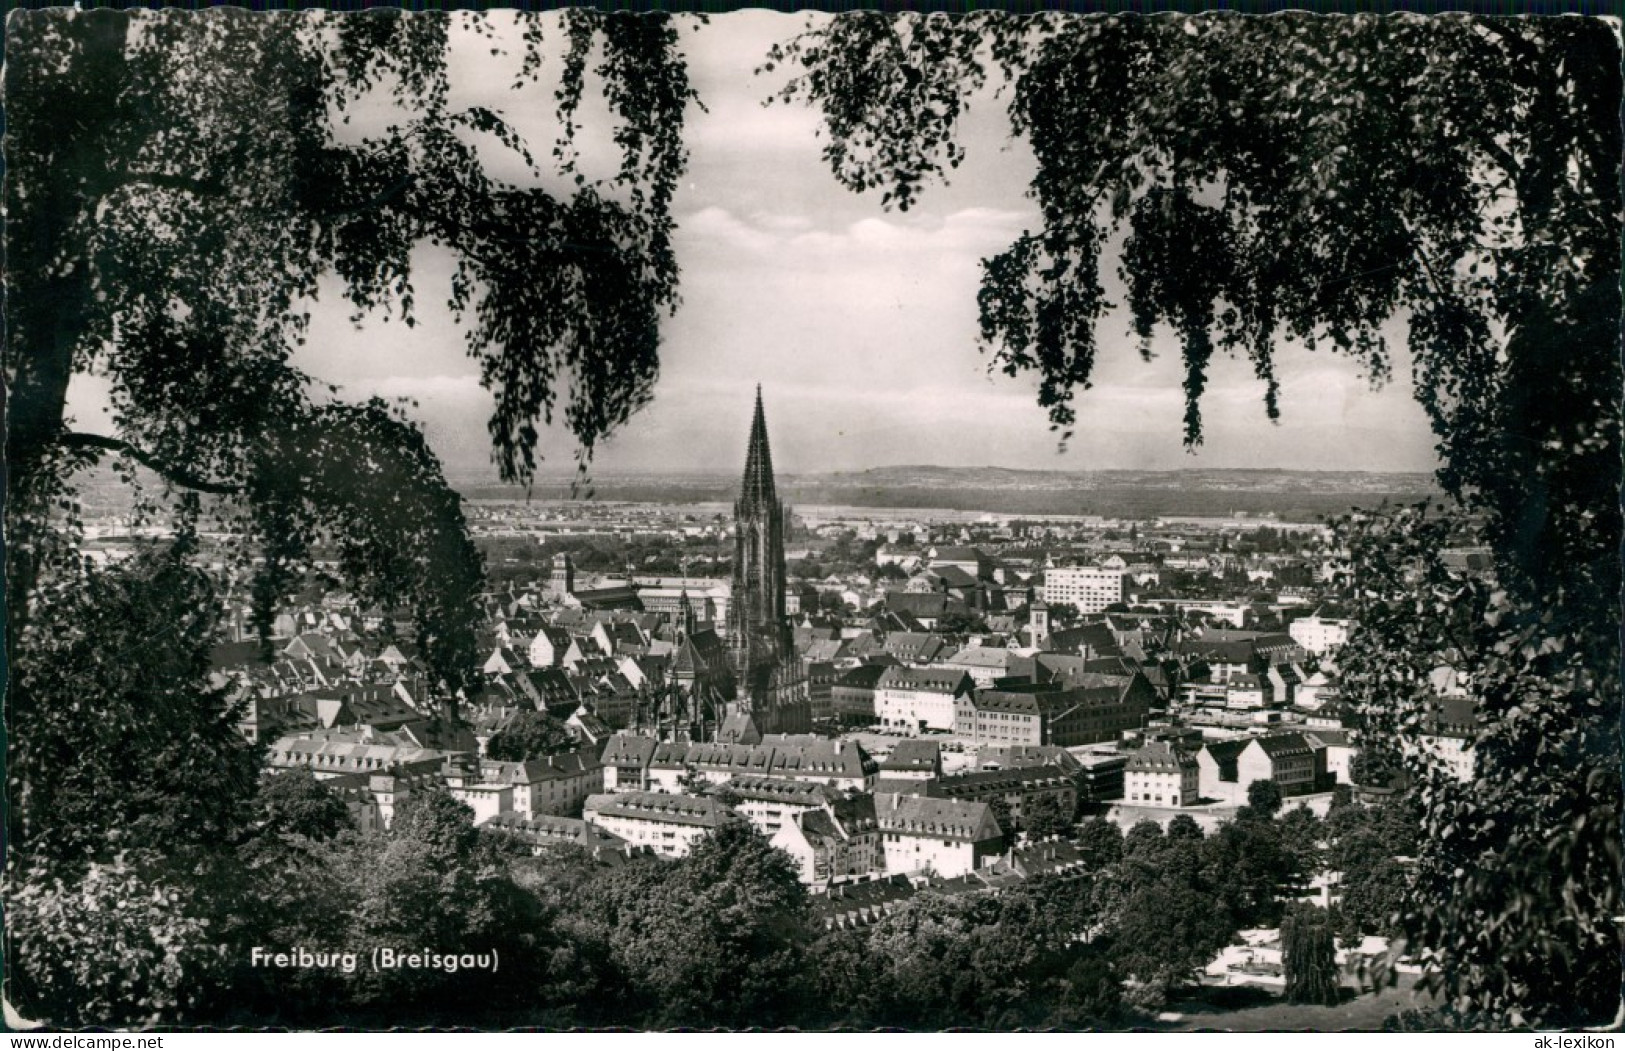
<point x="768" y="802"/>
<point x="542" y="832"/>
<point x="668" y="824"/>
<point x="1102" y="777"/>
<point x="374" y="798"/>
<point x="945" y="836"/>
<point x="821" y="676"/>
<point x="852" y="695"/>
<point x="838" y="764"/>
<point x="625" y="761"/>
<point x="1448" y="731"/>
<point x="1290" y="760"/>
<point x="1160" y="774"/>
<point x="1019" y="788"/>
<point x="915" y="699"/>
<point x="1294" y="761"/>
<point x="835" y="844"/>
<point x="913" y="760"/>
<point x="328" y="754"/>
<point x="1043" y="715"/>
<point x="554" y="784"/>
<point x="983" y="664"/>
<point x="1320" y="635"/>
<point x="1089" y="588"/>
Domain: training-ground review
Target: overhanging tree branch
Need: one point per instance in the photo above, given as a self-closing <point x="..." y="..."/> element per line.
<point x="170" y="472"/>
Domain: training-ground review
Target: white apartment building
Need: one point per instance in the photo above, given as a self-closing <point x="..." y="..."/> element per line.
<point x="1319" y="635"/>
<point x="916" y="699"/>
<point x="1088" y="588"/>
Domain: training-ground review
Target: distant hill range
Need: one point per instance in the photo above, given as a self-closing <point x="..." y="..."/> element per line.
<point x="1289" y="495"/>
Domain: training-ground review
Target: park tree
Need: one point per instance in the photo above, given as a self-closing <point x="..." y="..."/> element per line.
<point x="717" y="938"/>
<point x="1324" y="181"/>
<point x="1045" y="817"/>
<point x="1101" y="841"/>
<point x="527" y="736"/>
<point x="1264" y="798"/>
<point x="1373" y="898"/>
<point x="1250" y="865"/>
<point x="999" y="962"/>
<point x="1144" y="838"/>
<point x="1183" y="826"/>
<point x="1309" y="957"/>
<point x="1301" y="835"/>
<point x="295" y="803"/>
<point x="1165" y="930"/>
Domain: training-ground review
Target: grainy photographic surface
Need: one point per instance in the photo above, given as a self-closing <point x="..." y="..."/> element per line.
<point x="587" y="520"/>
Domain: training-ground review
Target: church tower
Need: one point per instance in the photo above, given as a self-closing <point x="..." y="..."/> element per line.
<point x="759" y="638"/>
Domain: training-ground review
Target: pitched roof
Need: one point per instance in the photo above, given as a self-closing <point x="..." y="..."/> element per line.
<point x="1160" y="757"/>
<point x="778" y="755"/>
<point x="629" y="750"/>
<point x="1021" y="755"/>
<point x="915" y="645"/>
<point x="922" y="603"/>
<point x="930" y="680"/>
<point x="1224" y="755"/>
<point x="981" y="657"/>
<point x="666" y="808"/>
<point x="1277" y="745"/>
<point x="954" y="576"/>
<point x="950" y="819"/>
<point x="1014" y="779"/>
<point x="547" y="829"/>
<point x="863" y="677"/>
<point x="958" y="554"/>
<point x="914" y="754"/>
<point x="779" y="790"/>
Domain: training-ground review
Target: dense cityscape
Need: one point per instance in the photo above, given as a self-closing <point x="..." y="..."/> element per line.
<point x="905" y="703"/>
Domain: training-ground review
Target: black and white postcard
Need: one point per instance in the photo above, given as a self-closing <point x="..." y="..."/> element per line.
<point x="593" y="520"/>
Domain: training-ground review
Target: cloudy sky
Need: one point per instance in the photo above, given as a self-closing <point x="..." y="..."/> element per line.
<point x="859" y="323"/>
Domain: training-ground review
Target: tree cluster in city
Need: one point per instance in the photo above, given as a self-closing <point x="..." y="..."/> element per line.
<point x="723" y="937"/>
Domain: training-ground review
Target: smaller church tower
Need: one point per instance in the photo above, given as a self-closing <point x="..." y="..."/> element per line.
<point x="685" y="616"/>
<point x="562" y="581"/>
<point x="1038" y="623"/>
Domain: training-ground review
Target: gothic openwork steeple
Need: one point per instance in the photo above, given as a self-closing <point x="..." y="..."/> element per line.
<point x="758" y="631"/>
<point x="757" y="490"/>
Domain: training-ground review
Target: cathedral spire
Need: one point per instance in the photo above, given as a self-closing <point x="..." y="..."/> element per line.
<point x="772" y="688"/>
<point x="757" y="489"/>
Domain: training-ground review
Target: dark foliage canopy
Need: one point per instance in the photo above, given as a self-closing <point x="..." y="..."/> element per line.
<point x="180" y="186"/>
<point x="529" y="735"/>
<point x="125" y="744"/>
<point x="1309" y="957"/>
<point x="1285" y="178"/>
<point x="1308" y="179"/>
